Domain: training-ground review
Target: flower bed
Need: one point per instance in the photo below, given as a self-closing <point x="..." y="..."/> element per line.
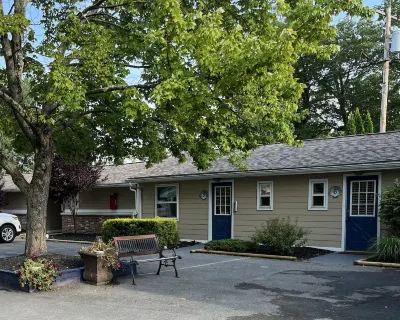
<point x="243" y="246"/>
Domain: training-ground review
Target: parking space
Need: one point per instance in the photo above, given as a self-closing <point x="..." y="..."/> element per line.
<point x="225" y="287"/>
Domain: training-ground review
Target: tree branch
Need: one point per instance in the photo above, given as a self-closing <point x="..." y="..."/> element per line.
<point x="71" y="122"/>
<point x="11" y="167"/>
<point x="94" y="6"/>
<point x="120" y="88"/>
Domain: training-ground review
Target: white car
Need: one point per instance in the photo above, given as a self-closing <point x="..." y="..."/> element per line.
<point x="10" y="227"/>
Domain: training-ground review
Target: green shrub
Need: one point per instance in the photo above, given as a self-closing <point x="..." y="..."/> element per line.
<point x="385" y="249"/>
<point x="231" y="245"/>
<point x="281" y="235"/>
<point x="37" y="273"/>
<point x="390" y="208"/>
<point x="165" y="229"/>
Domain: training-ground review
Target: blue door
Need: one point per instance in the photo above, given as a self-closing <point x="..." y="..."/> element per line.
<point x="361" y="212"/>
<point x="222" y="211"/>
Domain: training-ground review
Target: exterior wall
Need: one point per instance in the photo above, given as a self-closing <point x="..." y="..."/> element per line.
<point x="290" y="199"/>
<point x="94" y="209"/>
<point x="85" y="224"/>
<point x="99" y="198"/>
<point x="193" y="211"/>
<point x="14" y="201"/>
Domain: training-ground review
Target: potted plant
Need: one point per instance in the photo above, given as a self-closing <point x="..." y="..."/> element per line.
<point x="99" y="259"/>
<point x="37" y="274"/>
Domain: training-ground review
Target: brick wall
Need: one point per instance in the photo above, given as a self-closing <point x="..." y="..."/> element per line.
<point x="85" y="224"/>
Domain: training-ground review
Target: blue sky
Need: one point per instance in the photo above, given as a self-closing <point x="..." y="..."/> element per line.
<point x="371" y="3"/>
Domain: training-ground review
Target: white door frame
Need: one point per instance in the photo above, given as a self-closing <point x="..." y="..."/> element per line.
<point x="210" y="206"/>
<point x="344" y="201"/>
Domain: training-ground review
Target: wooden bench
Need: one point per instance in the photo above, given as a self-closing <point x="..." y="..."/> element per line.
<point x="133" y="246"/>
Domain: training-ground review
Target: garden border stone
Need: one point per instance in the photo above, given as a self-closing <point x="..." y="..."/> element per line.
<point x="365" y="262"/>
<point x="243" y="254"/>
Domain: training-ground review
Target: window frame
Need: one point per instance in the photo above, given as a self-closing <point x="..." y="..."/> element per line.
<point x="311" y="195"/>
<point x="271" y="197"/>
<point x="177" y="199"/>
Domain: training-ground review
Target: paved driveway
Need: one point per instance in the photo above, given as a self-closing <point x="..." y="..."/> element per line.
<point x="17" y="247"/>
<point x="225" y="287"/>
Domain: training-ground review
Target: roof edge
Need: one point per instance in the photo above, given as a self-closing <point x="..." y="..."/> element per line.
<point x="279" y="172"/>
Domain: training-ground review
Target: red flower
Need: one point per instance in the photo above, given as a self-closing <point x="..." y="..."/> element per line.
<point x="59" y="274"/>
<point x="119" y="265"/>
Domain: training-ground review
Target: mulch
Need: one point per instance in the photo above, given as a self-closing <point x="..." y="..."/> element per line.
<point x="74" y="237"/>
<point x="301" y="253"/>
<point x="62" y="261"/>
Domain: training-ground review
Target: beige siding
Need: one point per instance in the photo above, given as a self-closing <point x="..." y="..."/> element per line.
<point x="14" y="201"/>
<point x="290" y="199"/>
<point x="193" y="212"/>
<point x="99" y="198"/>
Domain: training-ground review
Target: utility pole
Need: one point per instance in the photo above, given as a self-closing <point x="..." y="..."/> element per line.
<point x="385" y="84"/>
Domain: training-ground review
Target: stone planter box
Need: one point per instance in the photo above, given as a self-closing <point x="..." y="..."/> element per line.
<point x="9" y="279"/>
<point x="94" y="271"/>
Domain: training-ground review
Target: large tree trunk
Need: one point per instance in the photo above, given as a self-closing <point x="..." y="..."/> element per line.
<point x="37" y="198"/>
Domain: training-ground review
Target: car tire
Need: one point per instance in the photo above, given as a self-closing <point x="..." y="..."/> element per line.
<point x="7" y="233"/>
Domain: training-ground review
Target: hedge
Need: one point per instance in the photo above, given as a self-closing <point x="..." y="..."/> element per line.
<point x="231" y="245"/>
<point x="165" y="229"/>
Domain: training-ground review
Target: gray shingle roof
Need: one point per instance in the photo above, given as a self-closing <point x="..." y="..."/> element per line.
<point x="360" y="151"/>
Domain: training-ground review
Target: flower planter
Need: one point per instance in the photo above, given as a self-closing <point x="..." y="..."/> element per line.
<point x="95" y="271"/>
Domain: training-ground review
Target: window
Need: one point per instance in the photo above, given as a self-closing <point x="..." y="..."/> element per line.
<point x="363" y="198"/>
<point x="318" y="195"/>
<point x="167" y="201"/>
<point x="265" y="195"/>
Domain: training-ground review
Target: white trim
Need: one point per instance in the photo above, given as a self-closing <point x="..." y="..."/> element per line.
<point x="311" y="194"/>
<point x="14" y="211"/>
<point x="101" y="212"/>
<point x="138" y="202"/>
<point x="210" y="195"/>
<point x="345" y="175"/>
<point x="278" y="172"/>
<point x="215" y="204"/>
<point x="210" y="208"/>
<point x="366" y="196"/>
<point x="177" y="199"/>
<point x="271" y="197"/>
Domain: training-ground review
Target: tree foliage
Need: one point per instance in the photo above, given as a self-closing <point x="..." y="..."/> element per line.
<point x="70" y="179"/>
<point x="110" y="79"/>
<point x="2" y="194"/>
<point x="351" y="79"/>
<point x="357" y="125"/>
<point x="390" y="209"/>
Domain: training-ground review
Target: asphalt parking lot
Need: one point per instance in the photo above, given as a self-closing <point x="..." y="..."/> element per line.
<point x="224" y="287"/>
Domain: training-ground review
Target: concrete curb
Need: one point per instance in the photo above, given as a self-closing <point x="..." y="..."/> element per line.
<point x="364" y="262"/>
<point x="69" y="241"/>
<point x="242" y="254"/>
